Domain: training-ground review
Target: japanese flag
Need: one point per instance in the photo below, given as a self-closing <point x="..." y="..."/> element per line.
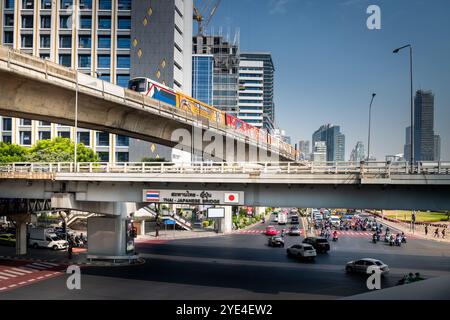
<point x="231" y="198"/>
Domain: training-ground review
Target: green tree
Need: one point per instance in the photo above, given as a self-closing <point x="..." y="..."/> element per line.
<point x="59" y="150"/>
<point x="153" y="160"/>
<point x="10" y="153"/>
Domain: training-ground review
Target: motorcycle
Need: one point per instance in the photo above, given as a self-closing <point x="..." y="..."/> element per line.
<point x="374" y="238"/>
<point x="335" y="237"/>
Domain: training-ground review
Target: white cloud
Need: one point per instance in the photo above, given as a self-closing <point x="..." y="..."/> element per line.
<point x="278" y="6"/>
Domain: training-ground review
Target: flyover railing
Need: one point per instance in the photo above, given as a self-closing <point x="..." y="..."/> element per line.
<point x="369" y="169"/>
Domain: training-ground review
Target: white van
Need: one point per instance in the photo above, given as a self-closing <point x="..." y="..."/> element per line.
<point x="45" y="238"/>
<point x="335" y="221"/>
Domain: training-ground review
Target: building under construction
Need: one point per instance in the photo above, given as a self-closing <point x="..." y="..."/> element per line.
<point x="226" y="68"/>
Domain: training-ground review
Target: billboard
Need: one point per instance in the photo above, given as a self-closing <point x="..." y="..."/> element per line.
<point x="216" y="212"/>
<point x="193" y="197"/>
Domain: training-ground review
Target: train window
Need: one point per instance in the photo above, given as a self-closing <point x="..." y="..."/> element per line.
<point x="168" y="97"/>
<point x="138" y="85"/>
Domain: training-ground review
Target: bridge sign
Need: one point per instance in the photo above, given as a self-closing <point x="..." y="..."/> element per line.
<point x="194" y="197"/>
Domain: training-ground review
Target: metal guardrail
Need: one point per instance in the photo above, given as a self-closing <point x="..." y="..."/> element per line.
<point x="367" y="170"/>
<point x="91" y="85"/>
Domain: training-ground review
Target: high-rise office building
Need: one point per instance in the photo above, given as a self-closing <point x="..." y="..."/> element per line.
<point x="424" y="126"/>
<point x="304" y="149"/>
<point x="407" y="147"/>
<point x="358" y="153"/>
<point x="111" y="39"/>
<point x="251" y="99"/>
<point x="226" y="69"/>
<point x="162" y="51"/>
<point x="334" y="139"/>
<point x="437" y="148"/>
<point x="319" y="154"/>
<point x="268" y="85"/>
<point x="203" y="77"/>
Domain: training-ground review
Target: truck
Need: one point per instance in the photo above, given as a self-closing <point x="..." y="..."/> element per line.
<point x="46" y="238"/>
<point x="282" y="218"/>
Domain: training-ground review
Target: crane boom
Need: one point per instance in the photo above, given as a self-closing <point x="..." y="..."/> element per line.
<point x="204" y="15"/>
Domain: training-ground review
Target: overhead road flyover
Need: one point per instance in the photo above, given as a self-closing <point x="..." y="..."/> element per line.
<point x="372" y="185"/>
<point x="38" y="89"/>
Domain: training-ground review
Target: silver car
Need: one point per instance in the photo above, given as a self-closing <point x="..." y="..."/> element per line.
<point x="362" y="265"/>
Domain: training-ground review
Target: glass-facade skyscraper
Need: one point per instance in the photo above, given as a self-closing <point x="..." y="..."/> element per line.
<point x="424" y="126"/>
<point x="334" y="140"/>
<point x="203" y="77"/>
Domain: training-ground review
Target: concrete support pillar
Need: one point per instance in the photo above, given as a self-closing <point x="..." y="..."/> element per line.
<point x="21" y="221"/>
<point x="143" y="227"/>
<point x="226" y="223"/>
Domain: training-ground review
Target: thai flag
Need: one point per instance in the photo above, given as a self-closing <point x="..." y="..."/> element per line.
<point x="152" y="196"/>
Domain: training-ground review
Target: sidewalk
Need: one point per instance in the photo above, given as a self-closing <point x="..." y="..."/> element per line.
<point x="419" y="230"/>
<point x="176" y="235"/>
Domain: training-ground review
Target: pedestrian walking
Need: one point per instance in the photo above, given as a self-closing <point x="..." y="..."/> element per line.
<point x="436" y="233"/>
<point x="69" y="250"/>
<point x="443" y="233"/>
<point x="426" y="229"/>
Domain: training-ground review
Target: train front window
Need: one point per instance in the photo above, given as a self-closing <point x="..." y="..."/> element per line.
<point x="138" y="85"/>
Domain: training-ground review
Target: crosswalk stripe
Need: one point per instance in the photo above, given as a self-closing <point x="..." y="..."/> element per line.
<point x="27" y="269"/>
<point x="15" y="272"/>
<point x="7" y="274"/>
<point x="22" y="270"/>
<point x="3" y="278"/>
<point x="40" y="264"/>
<point x="49" y="263"/>
<point x="36" y="267"/>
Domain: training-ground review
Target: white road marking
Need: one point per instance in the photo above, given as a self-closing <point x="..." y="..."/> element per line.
<point x="3" y="278"/>
<point x="7" y="274"/>
<point x="40" y="264"/>
<point x="49" y="264"/>
<point x="22" y="270"/>
<point x="35" y="267"/>
<point x="16" y="272"/>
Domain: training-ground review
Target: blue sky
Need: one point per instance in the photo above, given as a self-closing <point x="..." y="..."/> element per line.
<point x="328" y="63"/>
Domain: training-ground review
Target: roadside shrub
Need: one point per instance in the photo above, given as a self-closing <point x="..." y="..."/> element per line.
<point x="205" y="224"/>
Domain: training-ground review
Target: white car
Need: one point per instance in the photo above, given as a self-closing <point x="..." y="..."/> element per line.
<point x="362" y="265"/>
<point x="335" y="221"/>
<point x="302" y="251"/>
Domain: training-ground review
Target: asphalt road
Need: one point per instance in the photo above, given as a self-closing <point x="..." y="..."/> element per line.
<point x="242" y="266"/>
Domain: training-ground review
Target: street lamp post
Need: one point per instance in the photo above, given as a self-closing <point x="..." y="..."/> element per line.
<point x="76" y="124"/>
<point x="412" y="100"/>
<point x="370" y="122"/>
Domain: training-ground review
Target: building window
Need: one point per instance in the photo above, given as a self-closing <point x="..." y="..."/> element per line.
<point x="64" y="134"/>
<point x="84" y="138"/>
<point x="27" y="22"/>
<point x="104" y="22"/>
<point x="65" y="60"/>
<point x="44" y="124"/>
<point x="124" y="5"/>
<point x="64" y="22"/>
<point x="65" y="41"/>
<point x="104" y="5"/>
<point x="84" y="41"/>
<point x="46" y="4"/>
<point x="104" y="61"/>
<point x="45" y="41"/>
<point x="105" y="77"/>
<point x="122" y="157"/>
<point x="9" y="4"/>
<point x="102" y="139"/>
<point x="84" y="61"/>
<point x="27" y="41"/>
<point x="44" y="56"/>
<point x="7" y="138"/>
<point x="8" y="37"/>
<point x="46" y="22"/>
<point x="122" y="80"/>
<point x="85" y="22"/>
<point x="123" y="61"/>
<point x="65" y="4"/>
<point x="85" y="4"/>
<point x="122" y="141"/>
<point x="44" y="135"/>
<point x="25" y="122"/>
<point x="25" y="138"/>
<point x="104" y="156"/>
<point x="7" y="124"/>
<point x="9" y="20"/>
<point x="27" y="4"/>
<point x="104" y="42"/>
<point x="124" y="23"/>
<point x="123" y="42"/>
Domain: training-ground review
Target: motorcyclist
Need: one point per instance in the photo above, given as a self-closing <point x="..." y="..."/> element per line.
<point x="335" y="235"/>
<point x="283" y="232"/>
<point x="374" y="237"/>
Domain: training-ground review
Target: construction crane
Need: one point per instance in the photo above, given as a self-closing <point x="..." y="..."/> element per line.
<point x="204" y="11"/>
